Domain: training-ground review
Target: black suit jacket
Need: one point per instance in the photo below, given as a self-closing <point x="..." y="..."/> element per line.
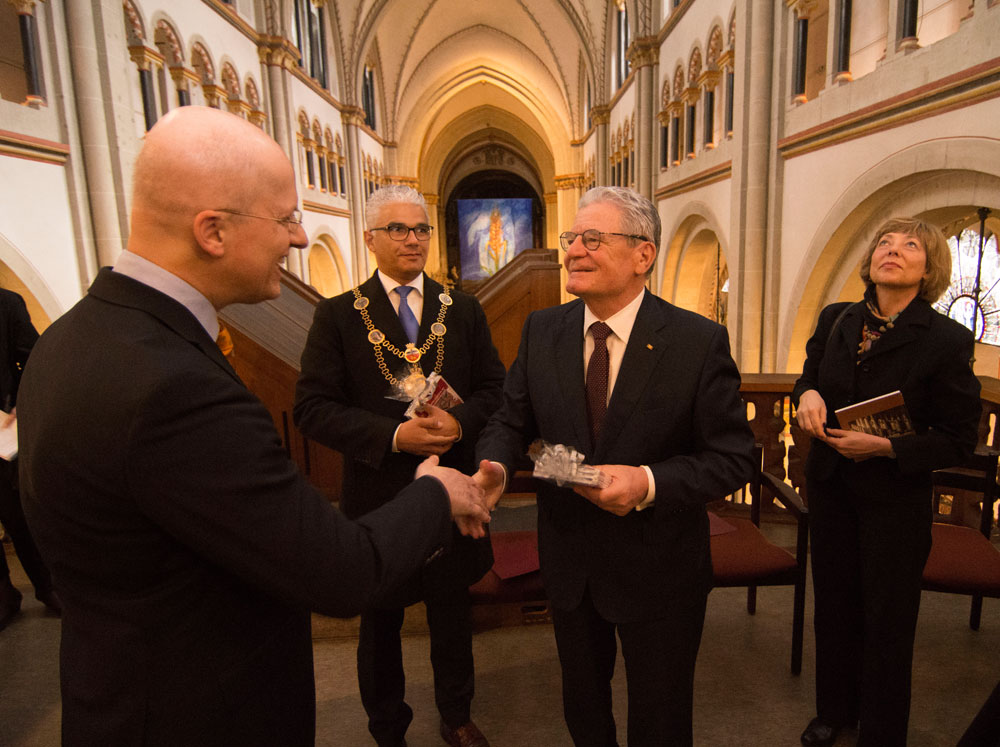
<point x="676" y="407"/>
<point x="17" y="336"/>
<point x="187" y="549"/>
<point x="927" y="356"/>
<point x="341" y="402"/>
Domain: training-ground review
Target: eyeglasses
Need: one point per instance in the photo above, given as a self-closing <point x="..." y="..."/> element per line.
<point x="292" y="222"/>
<point x="592" y="238"/>
<point x="399" y="231"/>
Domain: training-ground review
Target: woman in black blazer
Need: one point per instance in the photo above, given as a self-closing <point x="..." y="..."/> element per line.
<point x="869" y="496"/>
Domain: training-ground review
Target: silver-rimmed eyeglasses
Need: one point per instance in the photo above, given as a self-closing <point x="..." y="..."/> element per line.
<point x="292" y="222"/>
<point x="399" y="231"/>
<point x="592" y="238"/>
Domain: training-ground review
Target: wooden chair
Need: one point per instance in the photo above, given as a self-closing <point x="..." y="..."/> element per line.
<point x="962" y="559"/>
<point x="745" y="557"/>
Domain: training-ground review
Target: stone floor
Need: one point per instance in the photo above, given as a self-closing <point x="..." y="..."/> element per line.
<point x="744" y="693"/>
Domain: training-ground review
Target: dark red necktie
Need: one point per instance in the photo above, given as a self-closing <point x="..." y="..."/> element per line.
<point x="597" y="379"/>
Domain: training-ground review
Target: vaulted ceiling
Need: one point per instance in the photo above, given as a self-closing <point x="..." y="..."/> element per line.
<point x="452" y="71"/>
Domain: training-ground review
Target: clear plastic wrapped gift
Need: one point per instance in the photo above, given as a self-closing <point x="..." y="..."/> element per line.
<point x="564" y="465"/>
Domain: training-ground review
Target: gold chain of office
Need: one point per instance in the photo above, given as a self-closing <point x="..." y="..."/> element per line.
<point x="412" y="354"/>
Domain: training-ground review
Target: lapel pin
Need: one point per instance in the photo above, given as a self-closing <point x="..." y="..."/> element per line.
<point x="649" y="346"/>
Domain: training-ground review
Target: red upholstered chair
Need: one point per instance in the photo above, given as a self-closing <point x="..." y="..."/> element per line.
<point x="962" y="559"/>
<point x="743" y="556"/>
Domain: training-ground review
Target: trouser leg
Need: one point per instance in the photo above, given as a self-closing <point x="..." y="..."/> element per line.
<point x="895" y="542"/>
<point x="380" y="675"/>
<point x="451" y="657"/>
<point x="587" y="650"/>
<point x="838" y="619"/>
<point x="660" y="658"/>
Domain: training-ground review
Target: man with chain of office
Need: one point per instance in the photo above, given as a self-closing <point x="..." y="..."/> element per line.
<point x="371" y="353"/>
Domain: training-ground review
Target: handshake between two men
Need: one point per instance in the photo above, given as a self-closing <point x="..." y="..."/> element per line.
<point x="473" y="497"/>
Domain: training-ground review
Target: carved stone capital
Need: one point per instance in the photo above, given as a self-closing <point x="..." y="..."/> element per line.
<point x="183" y="78"/>
<point x="643" y="52"/>
<point x="144" y="57"/>
<point x="212" y="94"/>
<point x="23" y="7"/>
<point x="709" y="79"/>
<point x="277" y="51"/>
<point x="691" y="95"/>
<point x="803" y="8"/>
<point x="600" y="115"/>
<point x="353" y="115"/>
<point x="569" y="181"/>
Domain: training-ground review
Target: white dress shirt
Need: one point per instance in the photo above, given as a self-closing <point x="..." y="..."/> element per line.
<point x="621" y="324"/>
<point x="151" y="274"/>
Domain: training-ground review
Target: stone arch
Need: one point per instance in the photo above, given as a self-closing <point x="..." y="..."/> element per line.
<point x="168" y="41"/>
<point x="714" y="48"/>
<point x="328" y="272"/>
<point x="135" y="29"/>
<point x="18" y="274"/>
<point x="688" y="259"/>
<point x="955" y="173"/>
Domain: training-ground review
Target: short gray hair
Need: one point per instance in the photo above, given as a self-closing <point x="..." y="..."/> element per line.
<point x="639" y="215"/>
<point x="387" y="196"/>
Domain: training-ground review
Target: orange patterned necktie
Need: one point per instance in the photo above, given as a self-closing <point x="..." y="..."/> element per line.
<point x="224" y="340"/>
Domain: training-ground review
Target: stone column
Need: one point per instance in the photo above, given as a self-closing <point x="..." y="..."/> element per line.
<point x="98" y="136"/>
<point x="601" y="117"/>
<point x="755" y="62"/>
<point x="25" y="10"/>
<point x="800" y="47"/>
<point x="144" y="58"/>
<point x="841" y="28"/>
<point x="353" y="117"/>
<point x="708" y="81"/>
<point x="276" y="55"/>
<point x="644" y="54"/>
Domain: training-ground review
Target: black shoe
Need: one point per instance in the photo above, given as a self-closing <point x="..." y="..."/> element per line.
<point x="819" y="733"/>
<point x="10" y="604"/>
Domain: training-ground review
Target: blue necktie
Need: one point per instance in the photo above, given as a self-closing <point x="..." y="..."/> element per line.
<point x="406" y="318"/>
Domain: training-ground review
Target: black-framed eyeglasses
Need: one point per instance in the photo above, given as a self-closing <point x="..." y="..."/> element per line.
<point x="399" y="231"/>
<point x="292" y="222"/>
<point x="592" y="238"/>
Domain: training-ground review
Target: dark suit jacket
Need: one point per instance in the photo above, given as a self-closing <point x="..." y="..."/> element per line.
<point x="187" y="548"/>
<point x="675" y="407"/>
<point x="927" y="356"/>
<point x="17" y="336"/>
<point x="340" y="401"/>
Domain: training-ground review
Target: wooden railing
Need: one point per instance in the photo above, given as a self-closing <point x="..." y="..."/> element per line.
<point x="786" y="446"/>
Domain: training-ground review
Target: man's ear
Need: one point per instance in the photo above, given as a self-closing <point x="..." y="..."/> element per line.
<point x="369" y="238"/>
<point x="210" y="232"/>
<point x="645" y="257"/>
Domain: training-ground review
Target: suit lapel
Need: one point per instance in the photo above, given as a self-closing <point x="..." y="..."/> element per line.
<point x="382" y="314"/>
<point x="646" y="345"/>
<point x="122" y="290"/>
<point x="568" y="353"/>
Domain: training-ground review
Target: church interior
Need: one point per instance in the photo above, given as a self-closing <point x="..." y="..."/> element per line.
<point x="773" y="137"/>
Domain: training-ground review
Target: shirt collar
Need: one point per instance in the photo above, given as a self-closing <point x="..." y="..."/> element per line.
<point x="390" y="285"/>
<point x="151" y="274"/>
<point x="621" y="322"/>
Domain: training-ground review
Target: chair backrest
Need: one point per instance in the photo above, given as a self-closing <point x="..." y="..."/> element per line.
<point x="978" y="476"/>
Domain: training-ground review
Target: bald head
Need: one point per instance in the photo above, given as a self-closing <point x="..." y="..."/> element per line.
<point x="196" y="158"/>
<point x="198" y="169"/>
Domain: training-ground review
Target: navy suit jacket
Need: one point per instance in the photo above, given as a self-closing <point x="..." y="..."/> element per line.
<point x="187" y="548"/>
<point x="676" y="407"/>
